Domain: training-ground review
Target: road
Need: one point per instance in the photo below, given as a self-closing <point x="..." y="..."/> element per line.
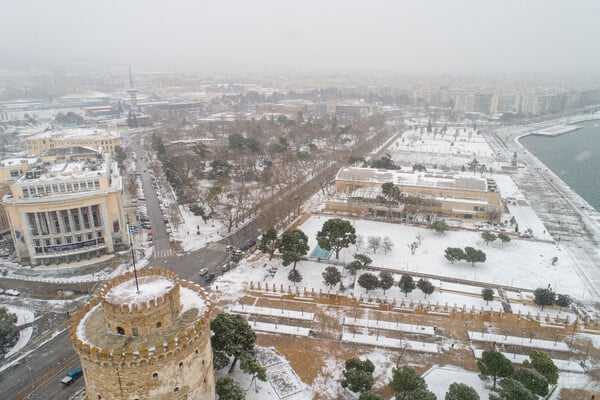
<point x="38" y="375"/>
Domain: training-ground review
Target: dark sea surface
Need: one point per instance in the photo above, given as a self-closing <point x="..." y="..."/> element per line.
<point x="574" y="157"/>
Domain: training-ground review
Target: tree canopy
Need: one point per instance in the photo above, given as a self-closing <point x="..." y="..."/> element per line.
<point x="494" y="364"/>
<point x="425" y="286"/>
<point x="473" y="255"/>
<point x="228" y="389"/>
<point x="268" y="242"/>
<point x="460" y="391"/>
<point x="358" y="375"/>
<point x="543" y="297"/>
<point x="332" y="276"/>
<point x="487" y="294"/>
<point x="440" y="226"/>
<point x="454" y="254"/>
<point x="233" y="337"/>
<point x="336" y="234"/>
<point x="293" y="245"/>
<point x="543" y="364"/>
<point x="368" y="281"/>
<point x="407" y="384"/>
<point x="386" y="280"/>
<point x="532" y="380"/>
<point x="406" y="284"/>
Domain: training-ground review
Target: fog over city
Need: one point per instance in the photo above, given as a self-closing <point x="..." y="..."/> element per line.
<point x="553" y="37"/>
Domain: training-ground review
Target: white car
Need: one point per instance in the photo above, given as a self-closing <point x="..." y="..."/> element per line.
<point x="12" y="292"/>
<point x="203" y="271"/>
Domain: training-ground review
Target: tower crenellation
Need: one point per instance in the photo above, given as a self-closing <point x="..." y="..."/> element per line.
<point x="126" y="355"/>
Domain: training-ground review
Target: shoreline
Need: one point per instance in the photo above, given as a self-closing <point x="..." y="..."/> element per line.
<point x="571" y="191"/>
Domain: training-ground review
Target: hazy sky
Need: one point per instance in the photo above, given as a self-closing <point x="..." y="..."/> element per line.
<point x="404" y="36"/>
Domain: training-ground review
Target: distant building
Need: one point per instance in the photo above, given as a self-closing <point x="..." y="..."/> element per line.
<point x="152" y="343"/>
<point x="351" y="111"/>
<point x="66" y="209"/>
<point x="12" y="169"/>
<point x="88" y="137"/>
<point x="426" y="193"/>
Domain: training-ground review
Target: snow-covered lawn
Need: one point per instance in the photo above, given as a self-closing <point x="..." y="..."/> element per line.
<point x="521" y="263"/>
<point x="552" y="312"/>
<point x="383" y="341"/>
<point x="274" y="312"/>
<point x="440" y="378"/>
<point x="279" y="328"/>
<point x="517" y="341"/>
<point x="390" y="326"/>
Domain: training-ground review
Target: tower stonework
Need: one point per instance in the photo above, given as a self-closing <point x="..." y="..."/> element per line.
<point x="151" y="344"/>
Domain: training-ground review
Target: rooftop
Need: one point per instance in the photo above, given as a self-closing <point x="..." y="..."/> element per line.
<point x="75" y="133"/>
<point x="414" y="178"/>
<point x="151" y="288"/>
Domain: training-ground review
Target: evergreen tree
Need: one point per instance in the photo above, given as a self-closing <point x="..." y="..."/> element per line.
<point x="232" y="337"/>
<point x="336" y="234"/>
<point x="406" y="284"/>
<point x="268" y="242"/>
<point x="425" y="286"/>
<point x="332" y="276"/>
<point x="494" y="364"/>
<point x="542" y="364"/>
<point x="487" y="294"/>
<point x="358" y="375"/>
<point x="228" y="389"/>
<point x="293" y="245"/>
<point x="460" y="391"/>
<point x="386" y="280"/>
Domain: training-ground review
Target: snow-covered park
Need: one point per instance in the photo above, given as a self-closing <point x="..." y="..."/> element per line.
<point x="520" y="263"/>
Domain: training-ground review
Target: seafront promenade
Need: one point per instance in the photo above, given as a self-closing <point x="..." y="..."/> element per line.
<point x="572" y="222"/>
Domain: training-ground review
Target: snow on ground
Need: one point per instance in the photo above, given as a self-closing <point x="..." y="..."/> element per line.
<point x="518" y="341"/>
<point x="521" y="263"/>
<point x="456" y="147"/>
<point x="383" y="341"/>
<point x="573" y="380"/>
<point x="274" y="312"/>
<point x="390" y="326"/>
<point x="187" y="231"/>
<point x="282" y="381"/>
<point x="515" y="358"/>
<point x="24" y="316"/>
<point x="553" y="312"/>
<point x="278" y="328"/>
<point x="440" y="378"/>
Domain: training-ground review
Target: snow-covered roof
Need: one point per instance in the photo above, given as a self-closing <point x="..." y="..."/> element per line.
<point x="413" y="178"/>
<point x="77" y="133"/>
<point x="151" y="287"/>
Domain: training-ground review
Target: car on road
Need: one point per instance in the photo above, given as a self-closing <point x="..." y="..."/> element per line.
<point x="225" y="267"/>
<point x="71" y="376"/>
<point x="12" y="292"/>
<point x="209" y="277"/>
<point x="203" y="271"/>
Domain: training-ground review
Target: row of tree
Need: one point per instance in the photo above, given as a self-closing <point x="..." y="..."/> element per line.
<point x="469" y="254"/>
<point x="525" y="383"/>
<point x="406" y="383"/>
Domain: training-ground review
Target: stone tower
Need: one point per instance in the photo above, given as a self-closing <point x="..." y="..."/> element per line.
<point x="148" y="344"/>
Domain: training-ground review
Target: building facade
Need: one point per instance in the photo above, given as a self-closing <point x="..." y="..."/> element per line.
<point x="85" y="137"/>
<point x="146" y="337"/>
<point x="426" y="193"/>
<point x="66" y="211"/>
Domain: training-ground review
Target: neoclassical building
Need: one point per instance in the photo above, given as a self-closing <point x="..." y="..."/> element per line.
<point x="66" y="208"/>
<point x="88" y="137"/>
<point x="149" y="340"/>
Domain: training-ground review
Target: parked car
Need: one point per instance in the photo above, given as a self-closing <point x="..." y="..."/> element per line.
<point x="225" y="267"/>
<point x="203" y="271"/>
<point x="209" y="277"/>
<point x="12" y="292"/>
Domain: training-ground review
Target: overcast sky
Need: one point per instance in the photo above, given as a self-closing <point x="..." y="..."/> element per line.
<point x="405" y="36"/>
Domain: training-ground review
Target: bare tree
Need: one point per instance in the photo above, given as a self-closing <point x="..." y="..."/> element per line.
<point x="387" y="243"/>
<point x="374" y="243"/>
<point x="413" y="247"/>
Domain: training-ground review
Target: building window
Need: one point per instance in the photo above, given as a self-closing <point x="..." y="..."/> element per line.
<point x="176" y="390"/>
<point x="69" y="187"/>
<point x="180" y="365"/>
<point x="134" y="331"/>
<point x="83" y="186"/>
<point x="76" y="186"/>
<point x="155" y="376"/>
<point x="62" y="187"/>
<point x="120" y="330"/>
<point x="25" y="192"/>
<point x="99" y="397"/>
<point x="158" y="324"/>
<point x="55" y="188"/>
<point x="99" y="234"/>
<point x="97" y="184"/>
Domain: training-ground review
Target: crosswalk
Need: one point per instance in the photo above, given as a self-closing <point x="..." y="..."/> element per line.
<point x="162" y="253"/>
